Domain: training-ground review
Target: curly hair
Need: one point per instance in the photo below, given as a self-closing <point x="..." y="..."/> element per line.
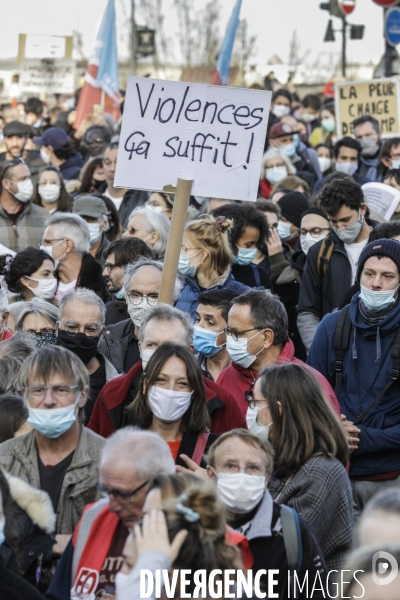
<point x="243" y="216"/>
<point x="23" y="264"/>
<point x="338" y="193"/>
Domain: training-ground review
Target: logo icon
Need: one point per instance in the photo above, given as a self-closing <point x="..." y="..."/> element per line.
<point x="384" y="568"/>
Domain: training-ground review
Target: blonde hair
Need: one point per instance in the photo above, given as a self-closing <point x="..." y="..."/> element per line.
<point x="212" y="235"/>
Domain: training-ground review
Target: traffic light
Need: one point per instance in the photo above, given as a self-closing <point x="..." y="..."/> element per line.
<point x="332" y="7"/>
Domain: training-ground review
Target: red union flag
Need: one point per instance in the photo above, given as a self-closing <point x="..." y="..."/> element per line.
<point x="102" y="71"/>
<point x="347" y="6"/>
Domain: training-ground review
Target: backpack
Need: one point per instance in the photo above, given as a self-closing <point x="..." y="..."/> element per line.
<point x="293" y="542"/>
<point x="341" y="343"/>
<point x="324" y="255"/>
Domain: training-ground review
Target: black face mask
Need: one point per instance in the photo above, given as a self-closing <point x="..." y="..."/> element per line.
<point x="83" y="346"/>
<point x="97" y="183"/>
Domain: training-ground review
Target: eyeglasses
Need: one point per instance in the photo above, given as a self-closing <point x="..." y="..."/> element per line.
<point x="315" y="231"/>
<point x="253" y="402"/>
<point x="110" y="267"/>
<point x="250" y="469"/>
<point x="59" y="391"/>
<point x="13" y="163"/>
<point x="235" y="333"/>
<point x="136" y="298"/>
<point x="118" y="495"/>
<point x="91" y="329"/>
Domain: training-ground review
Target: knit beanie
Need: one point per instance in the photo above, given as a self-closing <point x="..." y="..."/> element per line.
<point x="293" y="206"/>
<point x="383" y="247"/>
<point x="315" y="210"/>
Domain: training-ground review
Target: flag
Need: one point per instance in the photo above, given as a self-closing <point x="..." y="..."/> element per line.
<point x="221" y="74"/>
<point x="102" y="71"/>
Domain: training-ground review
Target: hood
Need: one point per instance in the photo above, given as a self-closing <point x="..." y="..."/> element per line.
<point x="387" y="326"/>
<point x="298" y="260"/>
<point x="76" y="160"/>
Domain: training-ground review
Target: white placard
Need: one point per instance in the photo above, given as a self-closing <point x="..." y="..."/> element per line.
<point x="382" y="198"/>
<point x="45" y="46"/>
<point x="48" y="76"/>
<point x="210" y="134"/>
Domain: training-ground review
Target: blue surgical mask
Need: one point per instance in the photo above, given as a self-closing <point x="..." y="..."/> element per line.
<point x="185" y="268"/>
<point x="237" y="350"/>
<point x="2" y="536"/>
<point x="120" y="294"/>
<point x="95" y="233"/>
<point x="52" y="422"/>
<point x="245" y="256"/>
<point x="288" y="149"/>
<point x="377" y="300"/>
<point x="283" y="230"/>
<point x="205" y="340"/>
<point x="296" y="139"/>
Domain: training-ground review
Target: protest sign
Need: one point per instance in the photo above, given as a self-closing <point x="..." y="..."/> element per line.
<point x="48" y="76"/>
<point x="382" y="198"/>
<point x="377" y="98"/>
<point x="211" y="135"/>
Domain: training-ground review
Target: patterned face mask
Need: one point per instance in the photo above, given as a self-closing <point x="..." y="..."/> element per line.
<point x="45" y="339"/>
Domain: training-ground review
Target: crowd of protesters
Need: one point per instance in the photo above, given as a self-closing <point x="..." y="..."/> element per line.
<point x="255" y="423"/>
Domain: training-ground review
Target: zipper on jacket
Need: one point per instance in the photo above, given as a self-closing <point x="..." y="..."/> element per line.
<point x="15" y="230"/>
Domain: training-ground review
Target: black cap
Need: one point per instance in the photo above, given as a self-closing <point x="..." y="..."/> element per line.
<point x="292" y="207"/>
<point x="16" y="128"/>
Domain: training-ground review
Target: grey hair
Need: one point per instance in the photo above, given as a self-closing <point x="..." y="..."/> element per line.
<point x="154" y="221"/>
<point x="165" y="312"/>
<point x="3" y="301"/>
<point x="145" y="450"/>
<point x="87" y="297"/>
<point x="274" y="153"/>
<point x="143" y="261"/>
<point x="13" y="353"/>
<point x="73" y="227"/>
<point x="267" y="312"/>
<point x="38" y="307"/>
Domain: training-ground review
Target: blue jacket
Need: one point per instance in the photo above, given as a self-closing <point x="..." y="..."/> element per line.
<point x="367" y="367"/>
<point x="71" y="168"/>
<point x="188" y="302"/>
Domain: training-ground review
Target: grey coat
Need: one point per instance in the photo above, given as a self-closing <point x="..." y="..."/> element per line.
<point x="321" y="493"/>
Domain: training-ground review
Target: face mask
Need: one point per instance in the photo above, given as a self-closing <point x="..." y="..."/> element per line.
<point x="46" y="288"/>
<point x="395" y="164"/>
<point x="25" y="190"/>
<point x="184" y="267"/>
<point x="369" y="146"/>
<point x="308" y="117"/>
<point x="2" y="536"/>
<point x="157" y="209"/>
<point x="275" y="174"/>
<point x="97" y="183"/>
<point x="146" y="354"/>
<point x="283" y="230"/>
<point x="350" y="233"/>
<point x="240" y="492"/>
<point x="44" y="156"/>
<point x="237" y="350"/>
<point x="95" y="233"/>
<point x="306" y="241"/>
<point x="328" y="125"/>
<point x="296" y="138"/>
<point x="325" y="163"/>
<point x="288" y="149"/>
<point x="168" y="405"/>
<point x="45" y="339"/>
<point x="375" y="300"/>
<point x="261" y="431"/>
<point x="136" y="312"/>
<point x="49" y="192"/>
<point x="245" y="256"/>
<point x="53" y="422"/>
<point x="49" y="251"/>
<point x="120" y="294"/>
<point x="279" y="110"/>
<point x="83" y="346"/>
<point x="205" y="340"/>
<point x="348" y="168"/>
<point x="121" y="583"/>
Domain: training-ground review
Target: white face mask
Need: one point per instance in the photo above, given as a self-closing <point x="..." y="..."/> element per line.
<point x="168" y="405"/>
<point x="49" y="251"/>
<point x="306" y="241"/>
<point x="325" y="163"/>
<point x="44" y="155"/>
<point x="275" y="174"/>
<point x="348" y="168"/>
<point x="94" y="231"/>
<point x="308" y="117"/>
<point x="50" y="192"/>
<point x="157" y="209"/>
<point x="25" y="190"/>
<point x="146" y="354"/>
<point x="46" y="288"/>
<point x="240" y="492"/>
<point x="283" y="230"/>
<point x="279" y="110"/>
<point x="136" y="312"/>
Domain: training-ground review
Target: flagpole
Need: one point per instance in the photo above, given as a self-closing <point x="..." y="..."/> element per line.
<point x="102" y="101"/>
<point x="133" y="34"/>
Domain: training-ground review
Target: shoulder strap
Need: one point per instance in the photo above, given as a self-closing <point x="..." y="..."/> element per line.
<point x="256" y="274"/>
<point x="324" y="255"/>
<point x="341" y="342"/>
<point x="393" y="377"/>
<point x="292" y="537"/>
<point x="199" y="448"/>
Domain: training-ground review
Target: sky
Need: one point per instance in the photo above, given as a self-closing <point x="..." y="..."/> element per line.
<point x="272" y="21"/>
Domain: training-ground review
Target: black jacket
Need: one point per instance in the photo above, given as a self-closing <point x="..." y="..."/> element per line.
<point x="120" y="345"/>
<point x="13" y="587"/>
<point x="132" y="199"/>
<point x="251" y="275"/>
<point x="91" y="277"/>
<point x="116" y="311"/>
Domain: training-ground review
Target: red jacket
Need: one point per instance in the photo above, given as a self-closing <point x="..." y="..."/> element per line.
<point x="224" y="410"/>
<point x="238" y="380"/>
